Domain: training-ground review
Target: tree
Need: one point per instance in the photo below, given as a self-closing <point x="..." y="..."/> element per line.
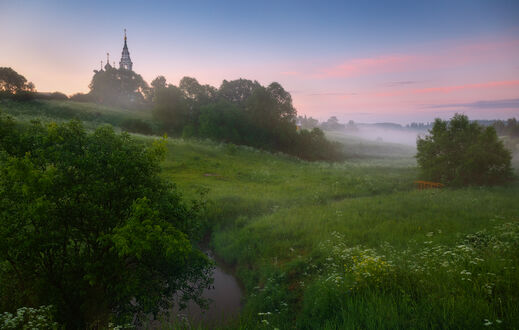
<point x="156" y="85"/>
<point x="12" y="82"/>
<point x="351" y="127"/>
<point x="159" y="83"/>
<point x="198" y="95"/>
<point x="283" y="108"/>
<point x="237" y="91"/>
<point x="460" y="153"/>
<point x="332" y="124"/>
<point x="171" y="109"/>
<point x="307" y="122"/>
<point x="89" y="226"/>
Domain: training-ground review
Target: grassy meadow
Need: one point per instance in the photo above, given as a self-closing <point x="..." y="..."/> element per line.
<point x="341" y="245"/>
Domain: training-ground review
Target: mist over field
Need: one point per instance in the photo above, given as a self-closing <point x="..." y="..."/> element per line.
<point x="391" y="135"/>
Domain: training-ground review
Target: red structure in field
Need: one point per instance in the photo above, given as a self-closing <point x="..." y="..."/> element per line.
<point x="427" y="185"/>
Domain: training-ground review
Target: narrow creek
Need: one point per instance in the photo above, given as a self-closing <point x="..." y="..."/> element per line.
<point x="225" y="295"/>
<point x="225" y="302"/>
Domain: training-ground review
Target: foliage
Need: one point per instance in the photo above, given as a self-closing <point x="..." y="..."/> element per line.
<point x="240" y="112"/>
<point x="156" y="84"/>
<point x="171" y="109"/>
<point x="135" y="125"/>
<point x="12" y="82"/>
<point x="237" y="91"/>
<point x="118" y="87"/>
<point x="196" y="94"/>
<point x="332" y="124"/>
<point x="89" y="226"/>
<point x="224" y="122"/>
<point x="81" y="97"/>
<point x="29" y="318"/>
<point x="462" y="153"/>
<point x="51" y="96"/>
<point x="307" y="123"/>
<point x="509" y="127"/>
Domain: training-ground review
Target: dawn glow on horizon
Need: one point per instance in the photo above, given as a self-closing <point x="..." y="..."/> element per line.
<point x="397" y="61"/>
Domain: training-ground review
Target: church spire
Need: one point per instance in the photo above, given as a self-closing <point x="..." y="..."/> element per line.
<point x="126" y="62"/>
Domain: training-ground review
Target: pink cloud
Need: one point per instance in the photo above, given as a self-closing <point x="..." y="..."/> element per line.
<point x="289" y="73"/>
<point x="359" y="66"/>
<point x="448" y="89"/>
<point x="437" y="58"/>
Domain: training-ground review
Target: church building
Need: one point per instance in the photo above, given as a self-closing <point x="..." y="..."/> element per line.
<point x="125" y="62"/>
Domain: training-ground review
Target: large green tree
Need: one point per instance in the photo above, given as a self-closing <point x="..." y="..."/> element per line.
<point x="237" y="91"/>
<point x="459" y="152"/>
<point x="88" y="225"/>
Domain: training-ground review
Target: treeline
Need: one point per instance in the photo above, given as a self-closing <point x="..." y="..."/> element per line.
<point x="240" y="112"/>
<point x="509" y="127"/>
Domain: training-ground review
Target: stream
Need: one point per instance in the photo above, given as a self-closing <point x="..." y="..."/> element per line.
<point x="226" y="296"/>
<point x="225" y="302"/>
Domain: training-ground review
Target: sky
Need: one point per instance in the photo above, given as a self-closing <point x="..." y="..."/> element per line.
<point x="369" y="61"/>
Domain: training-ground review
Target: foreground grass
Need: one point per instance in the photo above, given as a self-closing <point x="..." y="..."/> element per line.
<point x="354" y="245"/>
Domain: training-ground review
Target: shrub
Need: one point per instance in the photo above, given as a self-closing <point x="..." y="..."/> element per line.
<point x="461" y="153"/>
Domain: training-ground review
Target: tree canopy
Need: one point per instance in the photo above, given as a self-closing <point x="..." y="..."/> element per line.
<point x="241" y="112"/>
<point x="119" y="87"/>
<point x="89" y="226"/>
<point x="13" y="82"/>
<point x="459" y="152"/>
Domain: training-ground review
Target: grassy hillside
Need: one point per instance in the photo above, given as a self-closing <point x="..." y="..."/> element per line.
<point x="349" y="245"/>
<point x="354" y="244"/>
<point x="90" y="114"/>
<point x="359" y="148"/>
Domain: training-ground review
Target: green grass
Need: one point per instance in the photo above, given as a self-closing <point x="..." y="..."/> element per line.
<point x="358" y="148"/>
<point x="91" y="114"/>
<point x="272" y="214"/>
<point x="348" y="245"/>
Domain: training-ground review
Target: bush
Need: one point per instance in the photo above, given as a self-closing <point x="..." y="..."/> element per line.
<point x="461" y="153"/>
